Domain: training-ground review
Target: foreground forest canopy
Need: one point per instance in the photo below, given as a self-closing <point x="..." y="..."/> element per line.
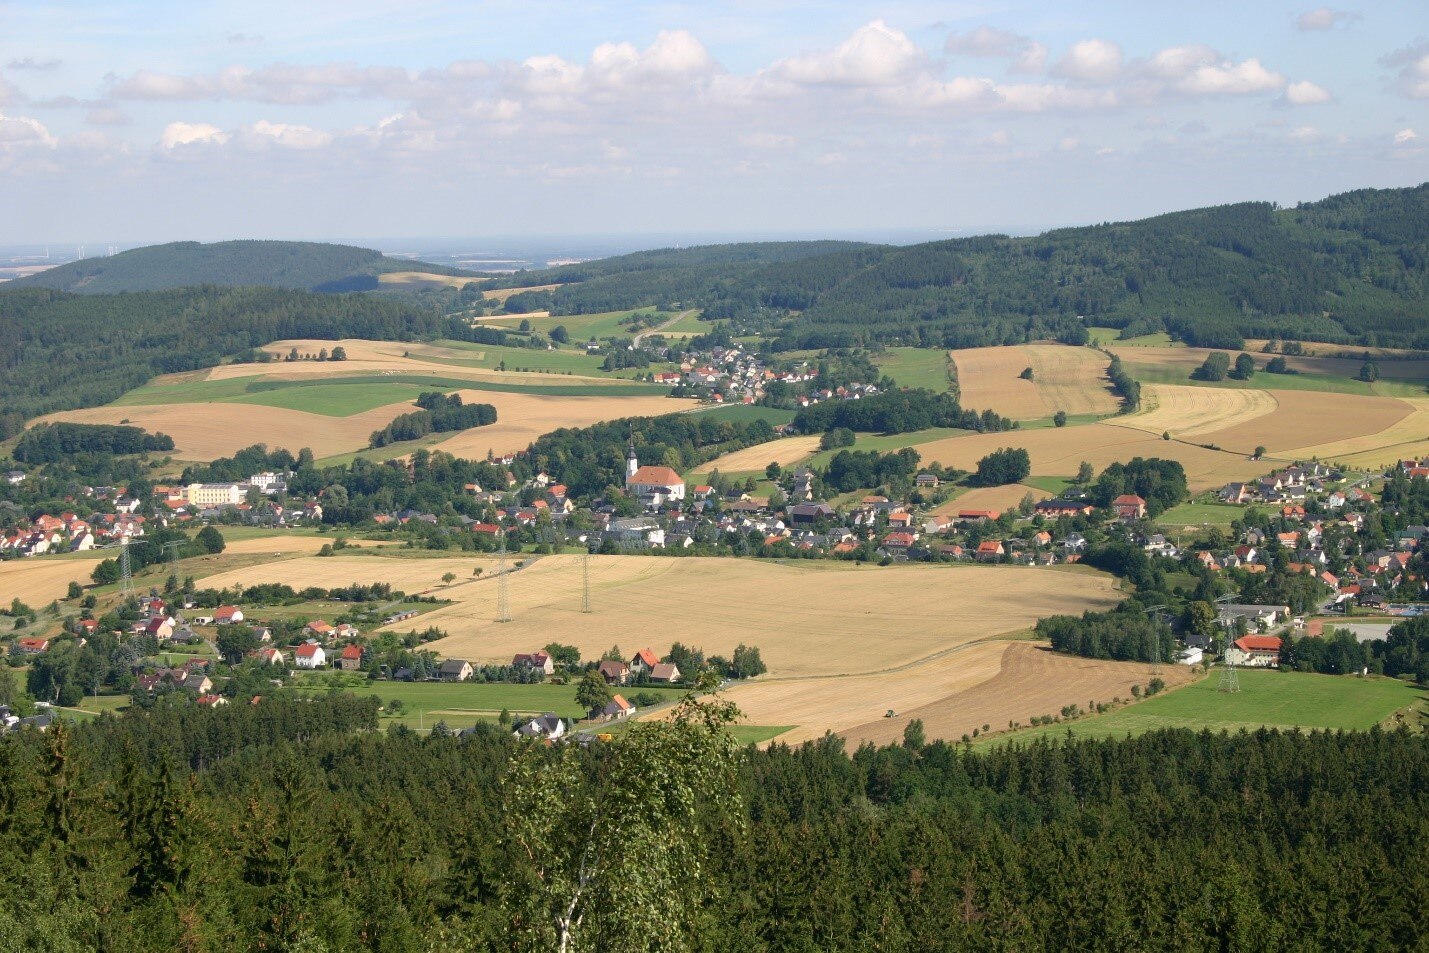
<point x="293" y="825"/>
<point x="1349" y="269"/>
<point x="305" y="265"/>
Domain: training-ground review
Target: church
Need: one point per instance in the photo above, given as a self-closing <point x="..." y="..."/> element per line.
<point x="652" y="486"/>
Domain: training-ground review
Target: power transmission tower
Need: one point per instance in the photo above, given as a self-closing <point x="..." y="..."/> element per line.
<point x="126" y="577"/>
<point x="585" y="581"/>
<point x="1230" y="681"/>
<point x="503" y="596"/>
<point x="172" y="550"/>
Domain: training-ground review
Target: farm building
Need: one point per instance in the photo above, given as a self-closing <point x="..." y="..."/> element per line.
<point x="454" y="670"/>
<point x="1255" y="651"/>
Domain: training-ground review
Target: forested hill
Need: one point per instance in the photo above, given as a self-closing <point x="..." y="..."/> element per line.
<point x="59" y="351"/>
<point x="306" y="265"/>
<point x="1349" y="269"/>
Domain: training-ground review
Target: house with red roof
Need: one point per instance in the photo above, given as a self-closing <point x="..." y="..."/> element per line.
<point x="617" y="709"/>
<point x="977" y="516"/>
<point x="614" y="671"/>
<point x="643" y="662"/>
<point x="351" y="658"/>
<point x="990" y="551"/>
<point x="310" y="656"/>
<point x="1129" y="506"/>
<point x="31" y="645"/>
<point x="227" y="615"/>
<point x="539" y="661"/>
<point x="1255" y="651"/>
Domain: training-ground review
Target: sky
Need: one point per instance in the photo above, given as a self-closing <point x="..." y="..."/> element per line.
<point x="140" y="122"/>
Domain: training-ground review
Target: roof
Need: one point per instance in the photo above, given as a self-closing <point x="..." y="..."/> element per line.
<point x="990" y="546"/>
<point x="612" y="667"/>
<point x="226" y="612"/>
<point x="308" y="650"/>
<point x="453" y="665"/>
<point x="978" y="514"/>
<point x="648" y="657"/>
<point x="1258" y="643"/>
<point x="353" y="651"/>
<point x="656" y="476"/>
<point x="617" y="704"/>
<point x="665" y="670"/>
<point x="1128" y="499"/>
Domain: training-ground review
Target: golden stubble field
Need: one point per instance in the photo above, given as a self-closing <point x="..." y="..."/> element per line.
<point x="807" y="619"/>
<point x="1022" y="680"/>
<point x="788" y="452"/>
<point x="1191" y="358"/>
<point x="1072" y="379"/>
<point x="999" y="498"/>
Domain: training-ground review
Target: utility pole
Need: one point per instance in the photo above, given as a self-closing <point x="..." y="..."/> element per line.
<point x="126" y="577"/>
<point x="585" y="581"/>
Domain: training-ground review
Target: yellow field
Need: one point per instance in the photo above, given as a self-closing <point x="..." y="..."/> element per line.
<point x="501" y="294"/>
<point x="1058" y="451"/>
<point x="992" y="498"/>
<point x="987" y="380"/>
<point x="787" y="452"/>
<point x="1072" y="379"/>
<point x="38" y="580"/>
<point x="1311" y="417"/>
<point x="1185" y="410"/>
<point x="521" y="418"/>
<point x="1026" y="680"/>
<point x="807" y="619"/>
<point x="1408" y="438"/>
<point x="424" y="278"/>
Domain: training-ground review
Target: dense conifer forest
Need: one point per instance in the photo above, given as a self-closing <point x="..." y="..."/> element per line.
<point x="293" y="825"/>
<point x="59" y="351"/>
<point x="1349" y="269"/>
<point x="297" y="265"/>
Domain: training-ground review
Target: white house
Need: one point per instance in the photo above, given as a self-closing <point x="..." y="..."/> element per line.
<point x="548" y="726"/>
<point x="309" y="655"/>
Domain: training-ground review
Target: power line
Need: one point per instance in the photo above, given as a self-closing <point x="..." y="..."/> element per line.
<point x="1230" y="681"/>
<point x="585" y="581"/>
<point x="126" y="577"/>
<point x="503" y="596"/>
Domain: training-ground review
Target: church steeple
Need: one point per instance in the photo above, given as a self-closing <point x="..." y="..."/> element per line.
<point x="631" y="464"/>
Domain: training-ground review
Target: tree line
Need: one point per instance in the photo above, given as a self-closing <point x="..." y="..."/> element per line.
<point x="440" y="413"/>
<point x="897" y="411"/>
<point x="47" y="443"/>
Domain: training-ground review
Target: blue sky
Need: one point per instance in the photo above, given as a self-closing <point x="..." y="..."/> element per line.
<point x="155" y="121"/>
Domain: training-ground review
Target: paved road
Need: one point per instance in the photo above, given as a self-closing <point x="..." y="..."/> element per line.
<point x="660" y="327"/>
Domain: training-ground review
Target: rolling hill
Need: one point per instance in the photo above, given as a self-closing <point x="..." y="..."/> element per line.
<point x="1350" y="269"/>
<point x="297" y="265"/>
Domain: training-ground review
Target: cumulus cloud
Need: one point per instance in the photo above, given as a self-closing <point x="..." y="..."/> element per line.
<point x="178" y="134"/>
<point x="1201" y="71"/>
<point x="1306" y="93"/>
<point x="1090" y="61"/>
<point x="1323" y="18"/>
<point x="1413" y="65"/>
<point x="21" y="131"/>
<point x="1404" y="137"/>
<point x="286" y="135"/>
<point x="30" y="63"/>
<point x="875" y="55"/>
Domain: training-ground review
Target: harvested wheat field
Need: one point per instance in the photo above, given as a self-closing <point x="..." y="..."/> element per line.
<point x="410" y="575"/>
<point x="425" y="278"/>
<point x="39" y="579"/>
<point x="992" y="498"/>
<point x="1407" y="438"/>
<point x="1058" y="451"/>
<point x="1185" y="411"/>
<point x="1029" y="680"/>
<point x="210" y="430"/>
<point x="823" y="619"/>
<point x="1072" y="379"/>
<point x="521" y="418"/>
<point x="786" y="451"/>
<point x="987" y="380"/>
<point x="1304" y="418"/>
<point x="501" y="294"/>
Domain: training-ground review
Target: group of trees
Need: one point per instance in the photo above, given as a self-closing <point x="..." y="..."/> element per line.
<point x="294" y="825"/>
<point x="1002" y="466"/>
<point x="897" y="411"/>
<point x="1123" y="636"/>
<point x="47" y="443"/>
<point x="1161" y="483"/>
<point x="864" y="469"/>
<point x="1127" y="386"/>
<point x="440" y="413"/>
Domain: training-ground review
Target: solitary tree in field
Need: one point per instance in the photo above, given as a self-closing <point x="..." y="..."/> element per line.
<point x="593" y="693"/>
<point x="1214" y="368"/>
<point x="1059" y="419"/>
<point x="1369" y="372"/>
<point x="612" y="851"/>
<point x="210" y="539"/>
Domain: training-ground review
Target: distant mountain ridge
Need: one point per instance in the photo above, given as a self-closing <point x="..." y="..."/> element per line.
<point x="1349" y="269"/>
<point x="312" y="266"/>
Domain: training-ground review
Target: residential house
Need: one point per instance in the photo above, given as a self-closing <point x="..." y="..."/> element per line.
<point x="1063" y="507"/>
<point x="548" y="727"/>
<point x="309" y="656"/>
<point x="540" y="661"/>
<point x="1129" y="506"/>
<point x="990" y="551"/>
<point x="978" y="516"/>
<point x="1252" y="615"/>
<point x="809" y="513"/>
<point x="927" y="481"/>
<point x="1255" y="651"/>
<point x="667" y="672"/>
<point x="454" y="670"/>
<point x="227" y="615"/>
<point x="31" y="645"/>
<point x="318" y="628"/>
<point x="614" y="671"/>
<point x="617" y="709"/>
<point x="351" y="658"/>
<point x="642" y="662"/>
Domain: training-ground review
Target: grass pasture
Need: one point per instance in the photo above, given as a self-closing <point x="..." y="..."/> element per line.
<point x="1269" y="699"/>
<point x="1106" y="336"/>
<point x="1201" y="514"/>
<point x="916" y="367"/>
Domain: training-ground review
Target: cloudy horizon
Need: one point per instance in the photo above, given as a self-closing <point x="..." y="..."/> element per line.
<point x="160" y="121"/>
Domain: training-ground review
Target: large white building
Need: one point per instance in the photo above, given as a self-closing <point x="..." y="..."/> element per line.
<point x="215" y="494"/>
<point x="653" y="486"/>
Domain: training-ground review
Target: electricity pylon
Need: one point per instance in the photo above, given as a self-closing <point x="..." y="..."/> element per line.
<point x="585" y="581"/>
<point x="503" y="597"/>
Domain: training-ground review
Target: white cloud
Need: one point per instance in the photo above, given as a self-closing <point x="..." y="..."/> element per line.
<point x="18" y="131"/>
<point x="286" y="135"/>
<point x="1248" y="76"/>
<point x="1323" y="18"/>
<point x="1091" y="61"/>
<point x="875" y="55"/>
<point x="1305" y="134"/>
<point x="146" y="84"/>
<point x="987" y="41"/>
<point x="1413" y="63"/>
<point x="178" y="134"/>
<point x="1032" y="60"/>
<point x="1404" y="137"/>
<point x="1306" y="93"/>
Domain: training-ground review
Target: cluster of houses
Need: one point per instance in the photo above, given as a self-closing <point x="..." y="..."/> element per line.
<point x="68" y="532"/>
<point x="254" y="501"/>
<point x="732" y="375"/>
<point x="1290" y="485"/>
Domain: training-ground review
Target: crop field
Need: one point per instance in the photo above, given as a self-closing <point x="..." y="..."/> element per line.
<point x="1406" y="438"/>
<point x="818" y="619"/>
<point x="39" y="579"/>
<point x="1072" y="379"/>
<point x="421" y="278"/>
<point x="787" y="452"/>
<point x="747" y="412"/>
<point x="1173" y="365"/>
<point x="1029" y="680"/>
<point x="999" y="498"/>
<point x="501" y="294"/>
<point x="916" y="367"/>
<point x="988" y="380"/>
<point x="885" y="443"/>
<point x="582" y="327"/>
<point x="1186" y="411"/>
<point x="521" y="418"/>
<point x="1304" y="417"/>
<point x="1266" y="699"/>
<point x="1057" y="452"/>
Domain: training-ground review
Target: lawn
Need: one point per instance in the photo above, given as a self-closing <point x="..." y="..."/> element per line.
<point x="1054" y="485"/>
<point x="1195" y="514"/>
<point x="916" y="367"/>
<point x="743" y="413"/>
<point x="1266" y="699"/>
<point x="757" y="734"/>
<point x="691" y="324"/>
<point x="332" y="399"/>
<point x="1104" y="336"/>
<point x="582" y="327"/>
